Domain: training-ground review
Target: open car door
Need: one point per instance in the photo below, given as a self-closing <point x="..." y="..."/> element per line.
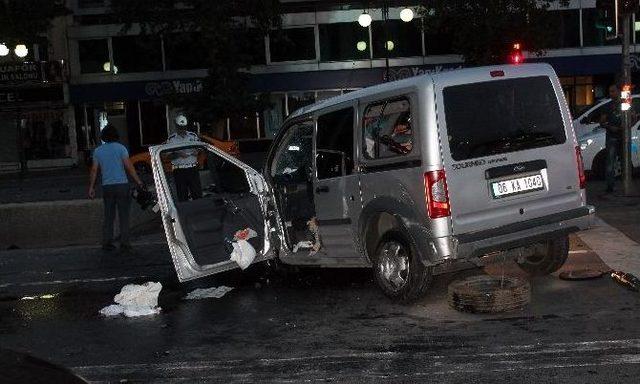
<point x="200" y="232"/>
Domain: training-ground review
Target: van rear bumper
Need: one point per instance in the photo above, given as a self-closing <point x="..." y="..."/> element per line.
<point x="522" y="234"/>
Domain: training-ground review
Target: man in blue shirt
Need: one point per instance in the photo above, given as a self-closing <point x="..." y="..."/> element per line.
<point x="112" y="160"/>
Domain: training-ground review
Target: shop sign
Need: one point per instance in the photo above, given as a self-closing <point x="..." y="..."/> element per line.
<point x="165" y="88"/>
<point x="407" y="72"/>
<point x="31" y="72"/>
<point x="11" y="97"/>
<point x="20" y="72"/>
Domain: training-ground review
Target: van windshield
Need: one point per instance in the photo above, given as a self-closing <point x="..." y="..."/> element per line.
<point x="502" y="116"/>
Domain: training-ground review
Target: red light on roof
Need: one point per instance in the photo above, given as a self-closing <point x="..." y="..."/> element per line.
<point x="496" y="73"/>
<point x="516" y="46"/>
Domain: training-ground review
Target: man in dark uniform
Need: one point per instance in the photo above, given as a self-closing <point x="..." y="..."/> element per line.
<point x="185" y="162"/>
<point x="611" y="120"/>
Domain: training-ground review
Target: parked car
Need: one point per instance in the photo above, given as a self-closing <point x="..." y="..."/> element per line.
<point x="412" y="178"/>
<point x="592" y="138"/>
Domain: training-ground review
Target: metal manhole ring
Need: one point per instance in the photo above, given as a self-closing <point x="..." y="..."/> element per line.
<point x="488" y="294"/>
<point x="581" y="274"/>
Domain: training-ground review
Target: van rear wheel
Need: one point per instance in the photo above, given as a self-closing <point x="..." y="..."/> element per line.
<point x="397" y="269"/>
<point x="547" y="258"/>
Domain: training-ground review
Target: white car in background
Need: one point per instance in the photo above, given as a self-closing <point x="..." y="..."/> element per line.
<point x="591" y="137"/>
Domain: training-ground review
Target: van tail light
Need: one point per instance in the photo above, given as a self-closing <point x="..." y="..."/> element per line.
<point x="436" y="193"/>
<point x="581" y="175"/>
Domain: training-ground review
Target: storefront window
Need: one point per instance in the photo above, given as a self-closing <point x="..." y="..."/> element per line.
<point x="46" y="135"/>
<point x="405" y="39"/>
<point x="136" y="54"/>
<point x="177" y="44"/>
<point x="244" y="127"/>
<point x="293" y="44"/>
<point x="580" y="92"/>
<point x="154" y="122"/>
<point x="593" y="30"/>
<point x="9" y="138"/>
<point x="93" y="55"/>
<point x="564" y="28"/>
<point x="297" y="100"/>
<point x="343" y="41"/>
<point x="438" y="43"/>
<point x="271" y="118"/>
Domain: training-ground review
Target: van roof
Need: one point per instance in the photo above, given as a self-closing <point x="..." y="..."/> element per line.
<point x="521" y="70"/>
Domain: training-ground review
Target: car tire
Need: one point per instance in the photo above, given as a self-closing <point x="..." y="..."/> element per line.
<point x="548" y="257"/>
<point x="397" y="268"/>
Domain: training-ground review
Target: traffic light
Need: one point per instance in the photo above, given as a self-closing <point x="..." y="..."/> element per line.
<point x="516" y="56"/>
<point x="607" y="20"/>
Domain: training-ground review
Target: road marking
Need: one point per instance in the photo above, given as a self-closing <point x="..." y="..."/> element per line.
<point x="617" y="250"/>
<point x="579" y="251"/>
<point x="72" y="281"/>
<point x="508" y="358"/>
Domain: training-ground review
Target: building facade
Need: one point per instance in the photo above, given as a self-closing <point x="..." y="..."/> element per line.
<point x="121" y="77"/>
<point x="37" y="124"/>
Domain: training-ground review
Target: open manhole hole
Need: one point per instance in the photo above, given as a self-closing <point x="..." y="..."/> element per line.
<point x="488" y="294"/>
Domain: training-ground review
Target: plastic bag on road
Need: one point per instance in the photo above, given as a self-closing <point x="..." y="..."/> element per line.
<point x="135" y="300"/>
<point x="243" y="253"/>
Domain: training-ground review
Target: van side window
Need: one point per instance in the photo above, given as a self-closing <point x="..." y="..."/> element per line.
<point x="387" y="130"/>
<point x="334" y="144"/>
<point x="292" y="159"/>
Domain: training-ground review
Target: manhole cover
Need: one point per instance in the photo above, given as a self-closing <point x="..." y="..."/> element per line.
<point x="488" y="294"/>
<point x="581" y="274"/>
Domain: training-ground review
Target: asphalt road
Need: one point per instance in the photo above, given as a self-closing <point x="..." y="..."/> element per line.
<point x="313" y="325"/>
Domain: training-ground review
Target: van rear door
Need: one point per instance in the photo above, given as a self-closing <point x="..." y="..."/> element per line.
<point x="508" y="146"/>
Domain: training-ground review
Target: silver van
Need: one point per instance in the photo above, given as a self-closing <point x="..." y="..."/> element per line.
<point x="412" y="178"/>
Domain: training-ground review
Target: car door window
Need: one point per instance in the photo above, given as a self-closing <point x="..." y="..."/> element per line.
<point x="292" y="158"/>
<point x="594" y="116"/>
<point x="387" y="129"/>
<point x="334" y="144"/>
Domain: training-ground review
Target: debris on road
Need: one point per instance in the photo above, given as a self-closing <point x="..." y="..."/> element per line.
<point x="488" y="294"/>
<point x="627" y="280"/>
<point x="135" y="300"/>
<point x="243" y="253"/>
<point x="206" y="293"/>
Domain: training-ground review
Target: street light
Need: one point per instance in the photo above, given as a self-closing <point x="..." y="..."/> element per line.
<point x="21" y="50"/>
<point x="361" y="45"/>
<point x="406" y="15"/>
<point x="106" y="66"/>
<point x="4" y="51"/>
<point x="364" y="19"/>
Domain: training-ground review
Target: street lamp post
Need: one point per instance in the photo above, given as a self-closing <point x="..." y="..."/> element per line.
<point x="385" y="19"/>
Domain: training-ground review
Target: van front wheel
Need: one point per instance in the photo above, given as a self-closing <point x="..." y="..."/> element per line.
<point x="397" y="269"/>
<point x="547" y="258"/>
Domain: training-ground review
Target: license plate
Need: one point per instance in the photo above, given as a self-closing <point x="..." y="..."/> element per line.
<point x="515" y="186"/>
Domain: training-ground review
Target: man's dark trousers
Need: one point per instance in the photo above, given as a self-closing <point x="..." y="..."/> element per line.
<point x="613" y="148"/>
<point x="116" y="196"/>
<point x="187" y="181"/>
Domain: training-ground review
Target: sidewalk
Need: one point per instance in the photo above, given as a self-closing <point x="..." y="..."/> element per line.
<point x="619" y="211"/>
<point x="50" y="185"/>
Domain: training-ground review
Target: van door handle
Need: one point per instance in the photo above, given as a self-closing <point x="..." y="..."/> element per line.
<point x="322" y="189"/>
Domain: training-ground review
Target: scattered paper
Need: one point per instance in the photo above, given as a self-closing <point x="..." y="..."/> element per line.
<point x="206" y="293"/>
<point x="243" y="253"/>
<point x="135" y="300"/>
